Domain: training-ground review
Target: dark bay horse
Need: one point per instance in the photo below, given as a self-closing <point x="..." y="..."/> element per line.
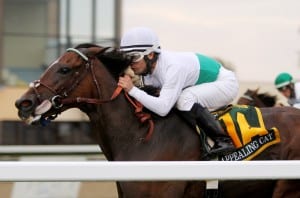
<point x="86" y="78"/>
<point x="254" y="98"/>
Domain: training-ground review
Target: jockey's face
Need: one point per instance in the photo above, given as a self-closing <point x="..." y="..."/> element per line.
<point x="140" y="67"/>
<point x="286" y="91"/>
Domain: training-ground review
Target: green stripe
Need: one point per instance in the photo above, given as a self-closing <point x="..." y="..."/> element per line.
<point x="209" y="69"/>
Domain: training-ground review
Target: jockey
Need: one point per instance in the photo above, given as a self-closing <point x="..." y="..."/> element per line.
<point x="190" y="81"/>
<point x="286" y="85"/>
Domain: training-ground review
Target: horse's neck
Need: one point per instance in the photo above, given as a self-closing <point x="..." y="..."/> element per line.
<point x="115" y="123"/>
<point x="116" y="126"/>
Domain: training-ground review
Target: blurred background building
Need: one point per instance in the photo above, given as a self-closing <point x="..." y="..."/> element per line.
<point x="33" y="33"/>
<point x="36" y="32"/>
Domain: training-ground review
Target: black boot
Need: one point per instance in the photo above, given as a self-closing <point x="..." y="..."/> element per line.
<point x="212" y="128"/>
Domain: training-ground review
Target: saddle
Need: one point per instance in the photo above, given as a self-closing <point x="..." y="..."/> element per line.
<point x="245" y="125"/>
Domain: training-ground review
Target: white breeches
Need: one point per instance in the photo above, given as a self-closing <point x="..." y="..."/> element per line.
<point x="211" y="95"/>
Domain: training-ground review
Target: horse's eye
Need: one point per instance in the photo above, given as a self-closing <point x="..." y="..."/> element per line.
<point x="64" y="70"/>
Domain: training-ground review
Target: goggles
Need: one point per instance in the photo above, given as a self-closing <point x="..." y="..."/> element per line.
<point x="283" y="88"/>
<point x="136" y="56"/>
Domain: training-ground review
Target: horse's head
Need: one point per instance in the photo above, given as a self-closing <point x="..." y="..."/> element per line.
<point x="253" y="98"/>
<point x="247" y="97"/>
<point x="68" y="79"/>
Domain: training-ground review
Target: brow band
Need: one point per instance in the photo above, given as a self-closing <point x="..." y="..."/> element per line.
<point x="78" y="52"/>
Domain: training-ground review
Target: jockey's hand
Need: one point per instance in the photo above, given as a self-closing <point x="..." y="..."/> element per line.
<point x="126" y="83"/>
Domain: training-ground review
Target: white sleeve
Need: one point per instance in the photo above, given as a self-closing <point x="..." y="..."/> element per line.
<point x="297" y="90"/>
<point x="297" y="105"/>
<point x="169" y="93"/>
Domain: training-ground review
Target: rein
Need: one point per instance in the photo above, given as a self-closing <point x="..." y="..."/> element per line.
<point x="142" y="116"/>
<point x="115" y="94"/>
<point x="59" y="100"/>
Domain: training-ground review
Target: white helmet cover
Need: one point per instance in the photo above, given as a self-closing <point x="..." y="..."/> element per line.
<point x="140" y="39"/>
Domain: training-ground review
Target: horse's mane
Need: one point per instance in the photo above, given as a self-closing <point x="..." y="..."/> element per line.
<point x="114" y="60"/>
<point x="269" y="100"/>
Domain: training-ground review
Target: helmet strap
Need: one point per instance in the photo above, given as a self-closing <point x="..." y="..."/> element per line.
<point x="149" y="63"/>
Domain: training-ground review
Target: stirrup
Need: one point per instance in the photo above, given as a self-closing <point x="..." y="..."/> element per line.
<point x="222" y="150"/>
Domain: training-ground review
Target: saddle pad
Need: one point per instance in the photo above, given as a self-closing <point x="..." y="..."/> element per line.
<point x="246" y="127"/>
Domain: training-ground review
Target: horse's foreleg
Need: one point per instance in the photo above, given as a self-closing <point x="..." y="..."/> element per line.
<point x="161" y="189"/>
<point x="119" y="189"/>
<point x="195" y="189"/>
<point x="287" y="189"/>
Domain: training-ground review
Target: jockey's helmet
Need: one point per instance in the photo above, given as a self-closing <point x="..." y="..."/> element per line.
<point x="283" y="79"/>
<point x="140" y="39"/>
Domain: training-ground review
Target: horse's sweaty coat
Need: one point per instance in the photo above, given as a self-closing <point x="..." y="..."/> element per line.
<point x="119" y="133"/>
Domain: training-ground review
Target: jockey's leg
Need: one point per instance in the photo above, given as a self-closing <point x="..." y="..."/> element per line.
<point x="204" y="119"/>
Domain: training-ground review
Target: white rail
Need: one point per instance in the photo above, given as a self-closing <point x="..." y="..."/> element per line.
<point x="148" y="171"/>
<point x="49" y="149"/>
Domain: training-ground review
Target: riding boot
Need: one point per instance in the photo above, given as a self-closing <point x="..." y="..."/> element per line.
<point x="212" y="128"/>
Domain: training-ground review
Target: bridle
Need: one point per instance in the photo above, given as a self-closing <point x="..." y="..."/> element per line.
<point x="60" y="97"/>
<point x="247" y="97"/>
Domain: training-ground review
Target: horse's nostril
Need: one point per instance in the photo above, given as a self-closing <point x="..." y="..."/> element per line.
<point x="24" y="104"/>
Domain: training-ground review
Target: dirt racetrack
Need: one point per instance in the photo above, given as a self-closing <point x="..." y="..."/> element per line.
<point x="86" y="190"/>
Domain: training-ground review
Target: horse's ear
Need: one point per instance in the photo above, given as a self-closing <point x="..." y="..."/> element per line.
<point x="256" y="90"/>
<point x="94" y="51"/>
<point x="114" y="60"/>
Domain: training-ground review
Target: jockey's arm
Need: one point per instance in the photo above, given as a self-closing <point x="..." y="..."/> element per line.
<point x="170" y="91"/>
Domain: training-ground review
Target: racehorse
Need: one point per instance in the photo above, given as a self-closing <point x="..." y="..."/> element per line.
<point x="252" y="97"/>
<point x="85" y="77"/>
